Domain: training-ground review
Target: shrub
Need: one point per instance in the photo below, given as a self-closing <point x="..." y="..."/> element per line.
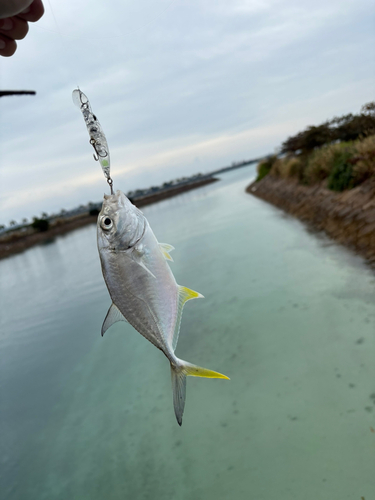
<point x="341" y="176"/>
<point x="322" y="161"/>
<point x="264" y="167"/>
<point x="41" y="225"/>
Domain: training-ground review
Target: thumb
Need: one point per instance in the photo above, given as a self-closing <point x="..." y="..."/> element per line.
<point x="9" y="8"/>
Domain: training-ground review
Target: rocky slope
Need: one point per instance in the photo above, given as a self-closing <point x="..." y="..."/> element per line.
<point x="348" y="217"/>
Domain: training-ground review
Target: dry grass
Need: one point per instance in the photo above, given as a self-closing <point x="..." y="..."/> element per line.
<point x="364" y="160"/>
<point x="289" y="166"/>
<point x="322" y="161"/>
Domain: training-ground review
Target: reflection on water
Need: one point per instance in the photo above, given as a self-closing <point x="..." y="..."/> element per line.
<point x="288" y="318"/>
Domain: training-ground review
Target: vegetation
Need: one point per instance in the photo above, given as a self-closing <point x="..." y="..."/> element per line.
<point x="265" y="166"/>
<point x="45" y="222"/>
<point x="41" y="225"/>
<point x="340" y="153"/>
<point x="344" y="128"/>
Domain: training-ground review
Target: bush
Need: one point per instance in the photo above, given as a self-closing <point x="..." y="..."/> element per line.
<point x="264" y="167"/>
<point x="341" y="176"/>
<point x="322" y="161"/>
<point x="41" y="225"/>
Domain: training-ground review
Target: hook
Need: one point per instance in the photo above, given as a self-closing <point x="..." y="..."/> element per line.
<point x="93" y="144"/>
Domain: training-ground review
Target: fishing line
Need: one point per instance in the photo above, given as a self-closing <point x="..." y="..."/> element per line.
<point x="62" y="37"/>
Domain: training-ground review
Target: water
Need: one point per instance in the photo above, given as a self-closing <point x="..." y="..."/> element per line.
<point x="288" y="315"/>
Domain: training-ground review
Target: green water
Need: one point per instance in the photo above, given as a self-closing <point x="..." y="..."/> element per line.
<point x="288" y="316"/>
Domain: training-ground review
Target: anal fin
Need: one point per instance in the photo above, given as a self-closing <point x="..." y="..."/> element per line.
<point x="113" y="316"/>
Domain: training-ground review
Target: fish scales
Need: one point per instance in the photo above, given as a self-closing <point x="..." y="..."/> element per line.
<point x="130" y="284"/>
<point x="143" y="289"/>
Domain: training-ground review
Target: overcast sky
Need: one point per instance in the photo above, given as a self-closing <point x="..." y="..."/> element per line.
<point x="179" y="87"/>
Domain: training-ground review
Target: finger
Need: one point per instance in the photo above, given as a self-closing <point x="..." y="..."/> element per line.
<point x="14" y="28"/>
<point x="7" y="46"/>
<point x="33" y="13"/>
<point x="9" y="8"/>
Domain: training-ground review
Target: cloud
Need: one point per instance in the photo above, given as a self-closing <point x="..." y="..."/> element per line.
<point x="158" y="158"/>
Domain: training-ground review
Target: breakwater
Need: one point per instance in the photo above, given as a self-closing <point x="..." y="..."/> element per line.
<point x="18" y="241"/>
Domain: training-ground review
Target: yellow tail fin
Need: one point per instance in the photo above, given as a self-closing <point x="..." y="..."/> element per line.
<point x="197" y="371"/>
<point x="179" y="371"/>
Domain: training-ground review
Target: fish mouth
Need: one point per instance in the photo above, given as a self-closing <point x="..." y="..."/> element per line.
<point x="113" y="197"/>
<point x="115" y="201"/>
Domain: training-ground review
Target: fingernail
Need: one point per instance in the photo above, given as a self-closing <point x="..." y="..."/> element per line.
<point x="2" y="44"/>
<point x="6" y="24"/>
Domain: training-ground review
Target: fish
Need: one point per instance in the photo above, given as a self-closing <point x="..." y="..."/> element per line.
<point x="143" y="288"/>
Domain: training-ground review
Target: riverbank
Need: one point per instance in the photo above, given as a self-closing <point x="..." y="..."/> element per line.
<point x="18" y="241"/>
<point x="348" y="216"/>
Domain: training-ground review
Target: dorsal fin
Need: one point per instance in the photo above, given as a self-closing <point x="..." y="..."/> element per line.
<point x="165" y="248"/>
<point x="113" y="316"/>
<point x="184" y="294"/>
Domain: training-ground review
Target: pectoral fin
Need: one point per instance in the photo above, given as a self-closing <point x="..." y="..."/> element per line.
<point x="166" y="249"/>
<point x="113" y="316"/>
<point x="138" y="260"/>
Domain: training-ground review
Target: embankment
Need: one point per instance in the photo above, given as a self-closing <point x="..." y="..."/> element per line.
<point x="348" y="217"/>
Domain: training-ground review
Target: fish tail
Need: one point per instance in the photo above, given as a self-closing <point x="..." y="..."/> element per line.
<point x="179" y="391"/>
<point x="179" y="373"/>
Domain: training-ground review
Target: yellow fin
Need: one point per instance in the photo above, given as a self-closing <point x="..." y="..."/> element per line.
<point x="179" y="370"/>
<point x="187" y="294"/>
<point x="197" y="371"/>
<point x="184" y="294"/>
<point x="165" y="249"/>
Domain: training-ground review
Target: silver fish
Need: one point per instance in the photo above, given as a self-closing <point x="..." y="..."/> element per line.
<point x="143" y="289"/>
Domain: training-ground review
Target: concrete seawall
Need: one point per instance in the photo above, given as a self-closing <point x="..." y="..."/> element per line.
<point x="348" y="217"/>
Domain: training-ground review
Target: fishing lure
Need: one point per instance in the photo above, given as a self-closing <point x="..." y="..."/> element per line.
<point x="97" y="137"/>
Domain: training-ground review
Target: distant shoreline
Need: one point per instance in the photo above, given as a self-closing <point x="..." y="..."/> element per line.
<point x="18" y="241"/>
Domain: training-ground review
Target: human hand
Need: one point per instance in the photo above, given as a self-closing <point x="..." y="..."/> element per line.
<point x="14" y="18"/>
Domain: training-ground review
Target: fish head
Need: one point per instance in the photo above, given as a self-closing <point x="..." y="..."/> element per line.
<point x="120" y="224"/>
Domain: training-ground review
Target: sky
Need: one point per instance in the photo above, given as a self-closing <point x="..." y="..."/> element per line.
<point x="179" y="87"/>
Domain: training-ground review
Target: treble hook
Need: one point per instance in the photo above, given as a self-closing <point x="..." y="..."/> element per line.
<point x="93" y="144"/>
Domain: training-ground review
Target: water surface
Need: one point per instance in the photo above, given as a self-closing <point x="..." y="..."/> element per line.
<point x="289" y="316"/>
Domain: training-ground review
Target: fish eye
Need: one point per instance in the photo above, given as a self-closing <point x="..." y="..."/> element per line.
<point x="106" y="223"/>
